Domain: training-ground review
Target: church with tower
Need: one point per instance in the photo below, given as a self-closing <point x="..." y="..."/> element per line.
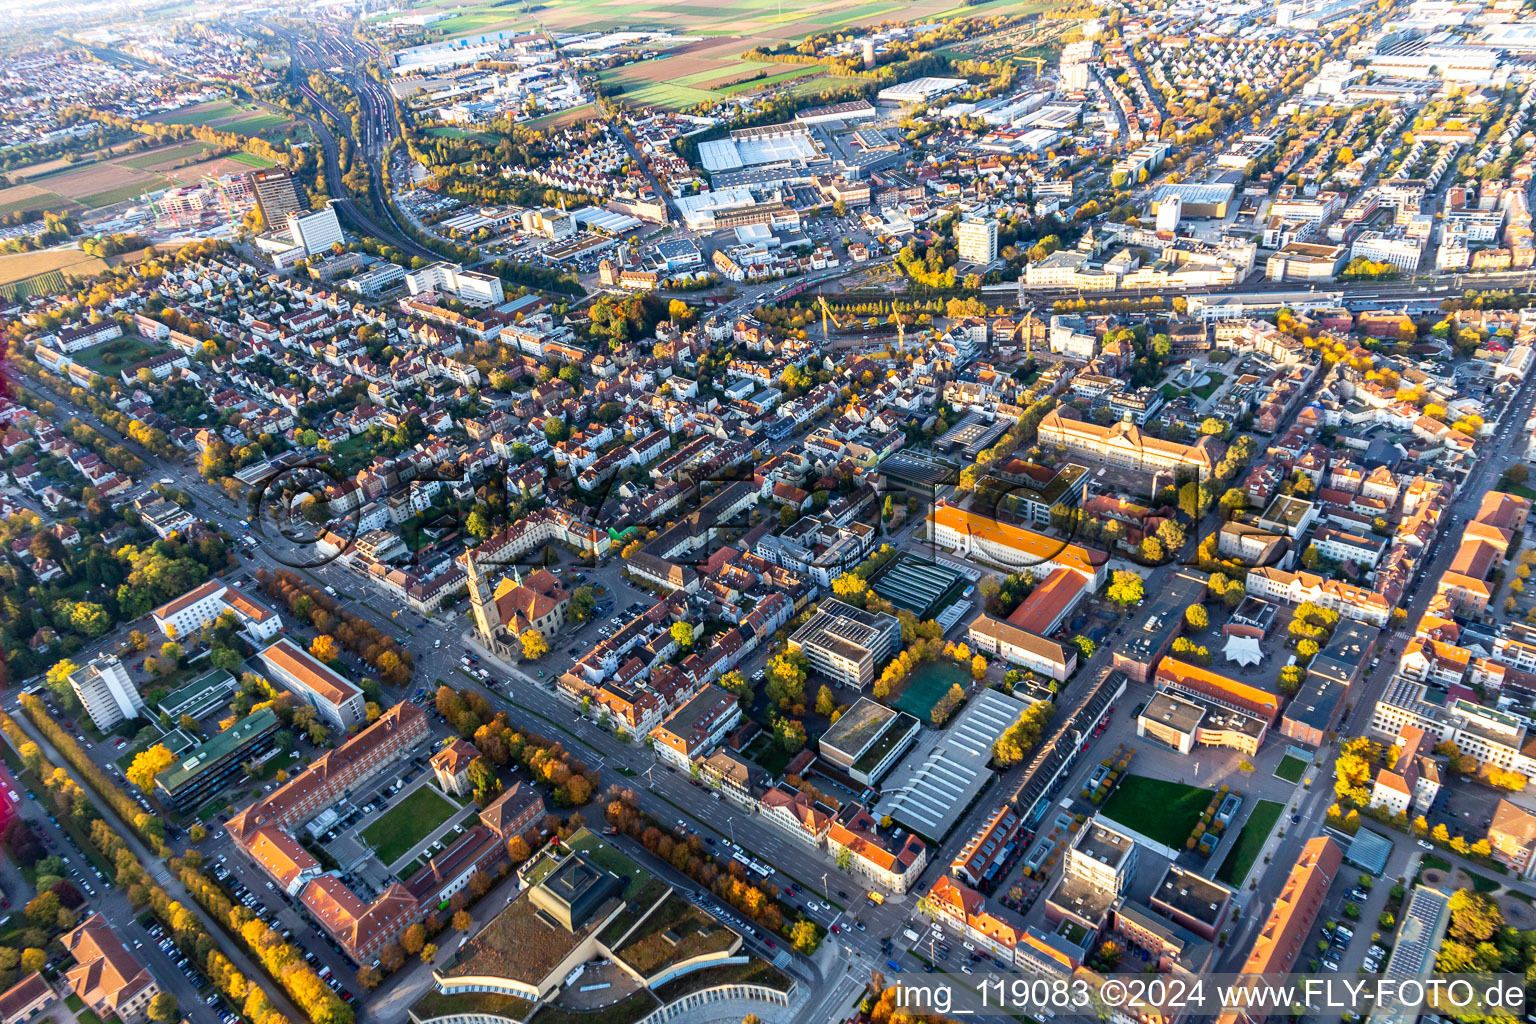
<point x="514" y="605"/>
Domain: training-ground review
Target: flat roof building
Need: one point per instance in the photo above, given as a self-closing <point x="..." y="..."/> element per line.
<point x="1138" y="654"/>
<point x="1184" y="721"/>
<point x="945" y="770"/>
<point x="847" y="644"/>
<point x="867" y="740"/>
<point x="200" y="697"/>
<point x="210" y="767"/>
<point x="1192" y="901"/>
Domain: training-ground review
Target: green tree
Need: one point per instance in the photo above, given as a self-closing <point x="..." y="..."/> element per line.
<point x="682" y="634"/>
<point x="1125" y="588"/>
<point x="802" y="936"/>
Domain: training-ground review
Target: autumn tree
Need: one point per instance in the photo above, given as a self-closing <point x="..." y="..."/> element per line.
<point x="1125" y="588"/>
<point x="534" y="644"/>
<point x="825" y="702"/>
<point x="148" y="764"/>
<point x="163" y="1008"/>
<point x="324" y="648"/>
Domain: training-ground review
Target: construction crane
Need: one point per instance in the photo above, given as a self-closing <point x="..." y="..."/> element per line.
<point x="827" y="314"/>
<point x="1039" y="63"/>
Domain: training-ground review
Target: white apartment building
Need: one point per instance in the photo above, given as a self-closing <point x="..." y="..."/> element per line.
<point x="976" y="240"/>
<point x="106" y="691"/>
<point x="452" y="279"/>
<point x="1402" y="253"/>
<point x="796" y="814"/>
<point x="315" y="232"/>
<point x="1492" y="737"/>
<point x="203" y="605"/>
<point x="338" y="701"/>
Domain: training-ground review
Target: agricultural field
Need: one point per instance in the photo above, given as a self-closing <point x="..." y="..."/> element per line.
<point x="711" y="67"/>
<point x="58" y="266"/>
<point x="705" y="72"/>
<point x="89" y="186"/>
<point x="230" y="116"/>
<point x="103" y="184"/>
<point x="26" y="198"/>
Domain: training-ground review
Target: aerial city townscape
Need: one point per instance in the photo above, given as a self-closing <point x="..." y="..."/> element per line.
<point x="580" y="512"/>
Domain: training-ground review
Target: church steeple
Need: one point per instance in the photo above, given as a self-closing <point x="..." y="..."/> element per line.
<point x="481" y="602"/>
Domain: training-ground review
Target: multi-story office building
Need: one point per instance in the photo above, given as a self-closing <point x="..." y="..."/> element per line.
<point x="207" y="769"/>
<point x="1403" y="252"/>
<point x="846" y="644"/>
<point x="106" y="691"/>
<point x="1102" y="857"/>
<point x="339" y="702"/>
<point x="317" y="232"/>
<point x="277" y="195"/>
<point x="452" y="279"/>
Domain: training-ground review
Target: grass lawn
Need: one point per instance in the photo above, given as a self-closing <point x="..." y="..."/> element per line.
<point x="200" y="113"/>
<point x="1522" y="490"/>
<point x="408" y="823"/>
<point x="1165" y="812"/>
<point x="1482" y="884"/>
<point x="1245" y="850"/>
<point x="769" y="755"/>
<point x="1208" y="390"/>
<point x="255" y="124"/>
<point x="1290" y="768"/>
<point x="436" y="1004"/>
<point x="605" y="855"/>
<point x="250" y="160"/>
<point x="1433" y="863"/>
<point x="119" y="353"/>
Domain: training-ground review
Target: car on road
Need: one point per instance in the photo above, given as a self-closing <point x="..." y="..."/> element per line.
<point x="1426" y="845"/>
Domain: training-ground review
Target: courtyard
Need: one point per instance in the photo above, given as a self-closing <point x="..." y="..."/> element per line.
<point x="1165" y="812"/>
<point x="408" y="823"/>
